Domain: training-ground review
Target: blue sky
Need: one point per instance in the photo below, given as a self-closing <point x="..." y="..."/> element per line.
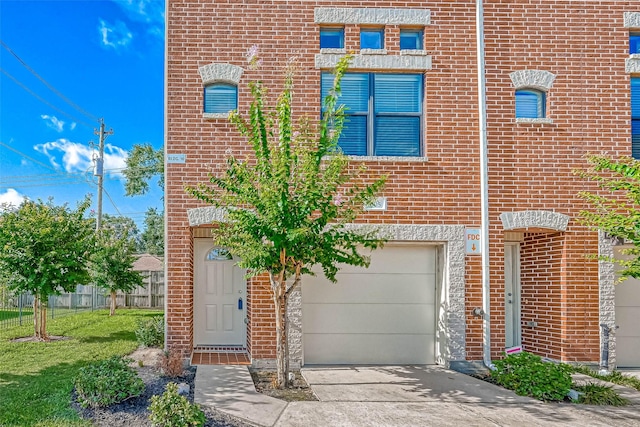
<point x="106" y="59"/>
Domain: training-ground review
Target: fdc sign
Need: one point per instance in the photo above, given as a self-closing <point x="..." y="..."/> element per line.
<point x="472" y="241"/>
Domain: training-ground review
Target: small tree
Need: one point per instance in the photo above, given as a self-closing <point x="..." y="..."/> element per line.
<point x="152" y="238"/>
<point x="45" y="250"/>
<point x="143" y="164"/>
<point x="112" y="264"/>
<point x="617" y="213"/>
<point x="289" y="207"/>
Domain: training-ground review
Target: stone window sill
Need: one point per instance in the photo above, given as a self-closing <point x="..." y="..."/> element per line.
<point x="414" y="52"/>
<point x="213" y="116"/>
<point x="543" y="120"/>
<point x="373" y="51"/>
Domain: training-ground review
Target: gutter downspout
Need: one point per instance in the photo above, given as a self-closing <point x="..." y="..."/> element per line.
<point x="484" y="188"/>
<point x="165" y="201"/>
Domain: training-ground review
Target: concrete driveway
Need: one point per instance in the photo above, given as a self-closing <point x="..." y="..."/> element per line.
<point x="431" y="396"/>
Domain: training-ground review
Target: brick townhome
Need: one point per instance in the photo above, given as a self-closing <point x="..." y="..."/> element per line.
<point x="558" y="85"/>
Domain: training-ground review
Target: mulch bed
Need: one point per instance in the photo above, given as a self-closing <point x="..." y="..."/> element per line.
<point x="300" y="390"/>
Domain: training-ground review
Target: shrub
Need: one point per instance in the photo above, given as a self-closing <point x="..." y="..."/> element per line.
<point x="171" y="363"/>
<point x="172" y="410"/>
<point x="150" y="332"/>
<point x="107" y="382"/>
<point x="528" y="375"/>
<point x="599" y="394"/>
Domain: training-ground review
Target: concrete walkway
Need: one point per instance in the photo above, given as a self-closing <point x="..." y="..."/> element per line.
<point x="396" y="396"/>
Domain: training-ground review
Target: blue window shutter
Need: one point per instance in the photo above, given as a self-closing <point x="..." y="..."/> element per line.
<point x="220" y="98"/>
<point x="635" y="139"/>
<point x="529" y="104"/>
<point x="397" y="136"/>
<point x="354" y="91"/>
<point x="635" y="97"/>
<point x="398" y="93"/>
<point x="398" y="107"/>
<point x="635" y="117"/>
<point x="355" y="97"/>
<point x="353" y="138"/>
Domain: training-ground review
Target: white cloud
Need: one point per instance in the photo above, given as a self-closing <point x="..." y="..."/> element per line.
<point x="10" y="198"/>
<point x="54" y="123"/>
<point x="77" y="157"/>
<point x="72" y="126"/>
<point x="115" y="35"/>
<point x="150" y="12"/>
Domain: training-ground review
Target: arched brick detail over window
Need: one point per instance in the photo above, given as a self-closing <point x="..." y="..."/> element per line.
<point x="533" y="79"/>
<point x="214" y="73"/>
<point x="534" y="219"/>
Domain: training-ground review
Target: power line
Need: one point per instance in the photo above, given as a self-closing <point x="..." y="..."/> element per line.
<point x="57" y="171"/>
<point x="111" y="200"/>
<point x="53" y="89"/>
<point x="39" y="98"/>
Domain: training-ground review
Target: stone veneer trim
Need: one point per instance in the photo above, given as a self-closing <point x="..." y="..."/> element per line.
<point x="607" y="293"/>
<point x="377" y="62"/>
<point x="534" y="219"/>
<point x="632" y="20"/>
<point x="536" y="79"/>
<point x="218" y="72"/>
<point x="454" y="268"/>
<point x="372" y="16"/>
<point x="632" y="64"/>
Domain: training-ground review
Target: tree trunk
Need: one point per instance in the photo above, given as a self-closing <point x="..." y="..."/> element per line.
<point x="36" y="318"/>
<point x="43" y="321"/>
<point x="282" y="343"/>
<point x="112" y="307"/>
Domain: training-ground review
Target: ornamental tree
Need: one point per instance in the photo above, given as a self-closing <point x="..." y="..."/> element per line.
<point x="288" y="207"/>
<point x="112" y="263"/>
<point x="143" y="163"/>
<point x="618" y="212"/>
<point x="45" y="250"/>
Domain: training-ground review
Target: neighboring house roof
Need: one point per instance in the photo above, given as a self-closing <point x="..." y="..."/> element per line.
<point x="147" y="262"/>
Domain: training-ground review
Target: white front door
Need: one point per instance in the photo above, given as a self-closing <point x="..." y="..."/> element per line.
<point x="219" y="303"/>
<point x="512" y="294"/>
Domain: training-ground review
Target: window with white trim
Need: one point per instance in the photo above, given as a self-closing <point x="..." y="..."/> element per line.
<point x="383" y="113"/>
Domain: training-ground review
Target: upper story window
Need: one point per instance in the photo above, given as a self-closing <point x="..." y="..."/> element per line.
<point x="411" y="39"/>
<point x="634" y="43"/>
<point x="331" y="38"/>
<point x="635" y="117"/>
<point x="220" y="98"/>
<point x="383" y="114"/>
<point x="530" y="104"/>
<point x="372" y="38"/>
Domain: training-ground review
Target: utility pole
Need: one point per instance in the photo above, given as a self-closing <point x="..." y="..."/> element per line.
<point x="99" y="171"/>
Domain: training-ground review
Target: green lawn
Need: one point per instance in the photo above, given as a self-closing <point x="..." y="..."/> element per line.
<point x="36" y="379"/>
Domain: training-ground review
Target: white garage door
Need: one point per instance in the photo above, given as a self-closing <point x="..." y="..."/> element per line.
<point x="627" y="317"/>
<point x="381" y="315"/>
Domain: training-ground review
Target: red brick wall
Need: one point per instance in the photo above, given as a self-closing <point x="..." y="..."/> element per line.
<point x="541" y="293"/>
<point x="583" y="43"/>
